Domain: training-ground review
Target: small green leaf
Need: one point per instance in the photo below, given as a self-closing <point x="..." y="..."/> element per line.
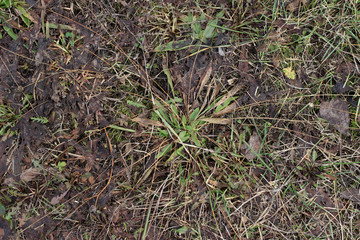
<point x="176" y="153"/>
<point x="314" y="155"/>
<point x="10" y="32"/>
<point x="183" y="120"/>
<point x="42" y="120"/>
<point x="135" y="104"/>
<point x="209" y="30"/>
<point x="25" y="16"/>
<point x="164" y="151"/>
<point x="194" y="114"/>
<point x="220" y="14"/>
<point x="163" y="133"/>
<point x="182" y="230"/>
<point x="69" y="34"/>
<point x="184" y="136"/>
<point x="196" y="141"/>
<point x="61" y="165"/>
<point x="174" y="100"/>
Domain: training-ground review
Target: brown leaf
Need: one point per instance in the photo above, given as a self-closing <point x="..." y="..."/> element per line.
<point x="276" y="60"/>
<point x="295" y="5"/>
<point x="217" y="183"/>
<point x="55" y="200"/>
<point x="228" y="109"/>
<point x="255" y="144"/>
<point x="204" y="78"/>
<point x="336" y="113"/>
<point x="323" y="200"/>
<point x="29" y="174"/>
<point x="229" y="94"/>
<point x="147" y="122"/>
<point x="351" y="194"/>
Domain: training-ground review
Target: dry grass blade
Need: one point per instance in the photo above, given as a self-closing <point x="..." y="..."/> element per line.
<point x="222" y="121"/>
<point x="147" y="122"/>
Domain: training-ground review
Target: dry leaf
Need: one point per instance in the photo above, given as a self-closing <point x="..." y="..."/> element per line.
<point x="229" y="94"/>
<point x="323" y="200"/>
<point x="295" y="5"/>
<point x="147" y="122"/>
<point x="255" y="144"/>
<point x="228" y="109"/>
<point x="223" y="121"/>
<point x="29" y="174"/>
<point x="276" y="60"/>
<point x="205" y="78"/>
<point x="55" y="200"/>
<point x="351" y="194"/>
<point x="217" y="183"/>
<point x="336" y="113"/>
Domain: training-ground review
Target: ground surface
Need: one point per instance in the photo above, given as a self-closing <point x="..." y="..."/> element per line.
<point x="180" y="119"/>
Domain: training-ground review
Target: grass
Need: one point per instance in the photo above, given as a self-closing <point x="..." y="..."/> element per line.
<point x="180" y="121"/>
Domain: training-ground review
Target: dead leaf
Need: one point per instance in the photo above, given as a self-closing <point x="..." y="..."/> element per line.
<point x="336" y="112"/>
<point x="295" y="5"/>
<point x="228" y="109"/>
<point x="229" y="94"/>
<point x="351" y="194"/>
<point x="276" y="60"/>
<point x="55" y="200"/>
<point x="217" y="183"/>
<point x="204" y="78"/>
<point x="223" y="121"/>
<point x="29" y="174"/>
<point x="322" y="199"/>
<point x="147" y="122"/>
<point x="255" y="144"/>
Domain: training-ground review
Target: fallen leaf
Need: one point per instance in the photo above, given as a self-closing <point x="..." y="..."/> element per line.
<point x="295" y="5"/>
<point x="55" y="200"/>
<point x="228" y="109"/>
<point x="204" y="78"/>
<point x="322" y="199"/>
<point x="229" y="94"/>
<point x="351" y="194"/>
<point x="336" y="112"/>
<point x="276" y="60"/>
<point x="255" y="144"/>
<point x="29" y="174"/>
<point x="217" y="183"/>
<point x="147" y="122"/>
